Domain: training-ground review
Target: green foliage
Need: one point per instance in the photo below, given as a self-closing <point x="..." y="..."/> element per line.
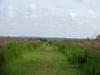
<point x="92" y="67"/>
<point x="62" y="48"/>
<point x="1" y="58"/>
<point x="37" y="44"/>
<point x="85" y="60"/>
<point x="77" y="57"/>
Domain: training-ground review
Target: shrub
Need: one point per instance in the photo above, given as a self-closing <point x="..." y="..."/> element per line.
<point x="37" y="44"/>
<point x="1" y="58"/>
<point x="92" y="67"/>
<point x="85" y="60"/>
<point x="62" y="49"/>
<point x="77" y="56"/>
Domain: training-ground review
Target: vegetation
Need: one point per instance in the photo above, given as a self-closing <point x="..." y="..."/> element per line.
<point x="98" y="38"/>
<point x="70" y="57"/>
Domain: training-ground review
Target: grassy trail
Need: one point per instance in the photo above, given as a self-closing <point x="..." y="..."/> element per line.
<point x="44" y="61"/>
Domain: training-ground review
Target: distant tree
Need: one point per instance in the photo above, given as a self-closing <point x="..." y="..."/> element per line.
<point x="98" y="37"/>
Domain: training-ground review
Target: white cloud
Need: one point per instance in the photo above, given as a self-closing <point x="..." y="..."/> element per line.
<point x="78" y="0"/>
<point x="92" y="13"/>
<point x="32" y="6"/>
<point x="34" y="16"/>
<point x="11" y="11"/>
<point x="73" y="14"/>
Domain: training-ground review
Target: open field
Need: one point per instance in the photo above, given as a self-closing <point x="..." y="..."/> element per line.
<point x="41" y="57"/>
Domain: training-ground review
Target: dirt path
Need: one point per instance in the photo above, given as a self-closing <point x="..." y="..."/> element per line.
<point x="41" y="62"/>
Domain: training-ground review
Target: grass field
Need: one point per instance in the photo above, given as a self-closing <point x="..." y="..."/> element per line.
<point x="50" y="58"/>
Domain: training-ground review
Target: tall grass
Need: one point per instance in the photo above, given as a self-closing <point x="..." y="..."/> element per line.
<point x="14" y="50"/>
<point x="86" y="59"/>
<point x="80" y="53"/>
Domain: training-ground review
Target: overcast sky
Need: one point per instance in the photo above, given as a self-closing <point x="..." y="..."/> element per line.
<point x="50" y="18"/>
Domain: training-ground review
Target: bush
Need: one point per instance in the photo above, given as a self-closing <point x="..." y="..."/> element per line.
<point x="77" y="56"/>
<point x="37" y="44"/>
<point x="1" y="58"/>
<point x="92" y="67"/>
<point x="85" y="60"/>
<point x="62" y="49"/>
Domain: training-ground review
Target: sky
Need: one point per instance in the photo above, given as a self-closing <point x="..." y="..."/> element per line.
<point x="50" y="18"/>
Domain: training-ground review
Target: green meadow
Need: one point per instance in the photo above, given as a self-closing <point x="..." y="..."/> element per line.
<point x="50" y="58"/>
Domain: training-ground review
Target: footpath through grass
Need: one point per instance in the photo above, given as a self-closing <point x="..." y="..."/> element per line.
<point x="46" y="60"/>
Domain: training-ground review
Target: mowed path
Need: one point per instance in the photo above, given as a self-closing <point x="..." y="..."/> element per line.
<point x="44" y="61"/>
